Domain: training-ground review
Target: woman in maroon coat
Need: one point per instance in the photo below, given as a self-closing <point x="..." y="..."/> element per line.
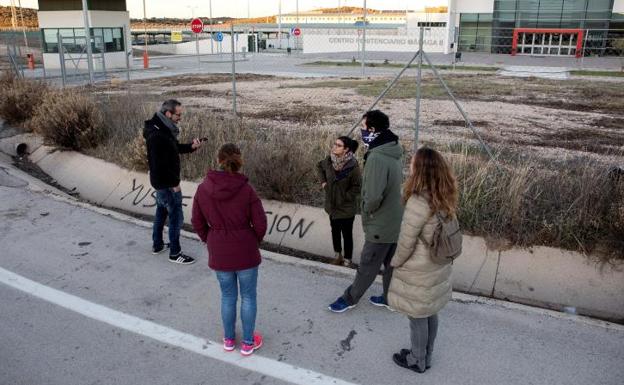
<point x="229" y="217"/>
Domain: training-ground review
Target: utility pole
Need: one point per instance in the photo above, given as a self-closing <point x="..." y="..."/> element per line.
<point x="85" y="14"/>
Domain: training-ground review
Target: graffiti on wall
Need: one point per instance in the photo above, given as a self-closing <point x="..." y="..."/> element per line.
<point x="285" y="224"/>
<point x="145" y="196"/>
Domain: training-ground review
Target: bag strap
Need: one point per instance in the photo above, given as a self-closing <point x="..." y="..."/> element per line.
<point x="420" y="236"/>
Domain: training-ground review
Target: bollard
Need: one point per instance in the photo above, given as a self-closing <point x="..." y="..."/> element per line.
<point x="145" y="60"/>
<point x="31" y="61"/>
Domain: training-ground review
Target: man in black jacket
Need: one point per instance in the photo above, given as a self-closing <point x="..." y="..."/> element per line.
<point x="163" y="154"/>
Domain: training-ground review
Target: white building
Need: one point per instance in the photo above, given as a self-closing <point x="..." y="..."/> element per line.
<point x="63" y="30"/>
<point x="518" y="27"/>
<point x="321" y="17"/>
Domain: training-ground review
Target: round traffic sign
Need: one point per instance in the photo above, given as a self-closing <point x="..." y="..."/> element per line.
<point x="296" y="31"/>
<point x="219" y="36"/>
<point x="197" y="26"/>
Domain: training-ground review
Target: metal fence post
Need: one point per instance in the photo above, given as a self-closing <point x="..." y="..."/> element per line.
<point x="418" y="87"/>
<point x="233" y="69"/>
<point x="128" y="53"/>
<point x="61" y="58"/>
<point x="43" y="53"/>
<point x="364" y="42"/>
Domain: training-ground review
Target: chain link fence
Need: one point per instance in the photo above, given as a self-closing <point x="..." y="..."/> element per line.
<point x="547" y="173"/>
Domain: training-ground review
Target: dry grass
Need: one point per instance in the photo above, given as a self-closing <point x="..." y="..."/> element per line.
<point x="575" y="204"/>
<point x="18" y="98"/>
<point x="305" y="114"/>
<point x="579" y="95"/>
<point x="279" y="162"/>
<point x="69" y="119"/>
<point x="569" y="201"/>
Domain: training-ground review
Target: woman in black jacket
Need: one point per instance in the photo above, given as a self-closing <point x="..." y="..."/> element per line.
<point x="341" y="180"/>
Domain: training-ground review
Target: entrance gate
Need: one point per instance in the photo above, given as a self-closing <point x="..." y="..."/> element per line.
<point x="547" y="42"/>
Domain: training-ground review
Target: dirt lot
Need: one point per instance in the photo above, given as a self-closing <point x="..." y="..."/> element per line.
<point x="543" y="118"/>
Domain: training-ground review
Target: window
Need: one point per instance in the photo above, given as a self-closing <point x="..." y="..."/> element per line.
<point x="74" y="40"/>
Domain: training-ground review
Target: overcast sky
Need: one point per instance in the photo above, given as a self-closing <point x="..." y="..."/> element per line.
<point x="238" y="8"/>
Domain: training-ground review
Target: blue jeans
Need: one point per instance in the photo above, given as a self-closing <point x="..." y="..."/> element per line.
<point x="248" y="281"/>
<point x="168" y="203"/>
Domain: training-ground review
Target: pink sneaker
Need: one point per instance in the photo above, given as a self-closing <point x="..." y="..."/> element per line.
<point x="247" y="350"/>
<point x="228" y="344"/>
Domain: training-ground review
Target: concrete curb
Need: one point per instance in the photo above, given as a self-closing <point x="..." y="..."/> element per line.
<point x="540" y="276"/>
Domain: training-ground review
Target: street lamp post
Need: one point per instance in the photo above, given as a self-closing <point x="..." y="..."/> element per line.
<point x="145" y="54"/>
<point x="279" y="25"/>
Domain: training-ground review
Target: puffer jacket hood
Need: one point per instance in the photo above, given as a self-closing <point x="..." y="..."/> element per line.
<point x="392" y="150"/>
<point x="224" y="185"/>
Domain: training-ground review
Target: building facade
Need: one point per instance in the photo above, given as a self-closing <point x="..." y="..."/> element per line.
<point x="63" y="33"/>
<point x="538" y="27"/>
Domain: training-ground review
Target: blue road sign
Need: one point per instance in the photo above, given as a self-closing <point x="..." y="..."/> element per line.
<point x="219" y="36"/>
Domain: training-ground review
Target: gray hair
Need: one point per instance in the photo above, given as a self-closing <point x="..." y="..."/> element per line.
<point x="169" y="106"/>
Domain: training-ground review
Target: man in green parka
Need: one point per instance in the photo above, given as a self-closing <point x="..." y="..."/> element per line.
<point x="382" y="210"/>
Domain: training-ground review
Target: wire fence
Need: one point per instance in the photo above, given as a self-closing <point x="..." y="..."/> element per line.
<point x="526" y="150"/>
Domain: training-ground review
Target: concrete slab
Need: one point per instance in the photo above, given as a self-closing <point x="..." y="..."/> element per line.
<point x="475" y="270"/>
<point x="92" y="178"/>
<point x="9" y="145"/>
<point x="40" y="153"/>
<point x="311" y="231"/>
<point x="280" y="218"/>
<point x="555" y="278"/>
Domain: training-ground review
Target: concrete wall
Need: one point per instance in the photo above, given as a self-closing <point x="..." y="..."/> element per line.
<point x="111" y="60"/>
<point x="434" y="41"/>
<point x="539" y="276"/>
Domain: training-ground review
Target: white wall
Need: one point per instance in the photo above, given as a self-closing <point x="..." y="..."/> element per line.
<point x="275" y="43"/>
<point x="112" y="60"/>
<point x="618" y="6"/>
<point x="434" y="41"/>
<point x="474" y="6"/>
<point x="97" y="19"/>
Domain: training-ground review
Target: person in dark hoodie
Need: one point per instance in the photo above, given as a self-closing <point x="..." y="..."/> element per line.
<point x="163" y="154"/>
<point x="228" y="216"/>
<point x="341" y="180"/>
<point x="382" y="210"/>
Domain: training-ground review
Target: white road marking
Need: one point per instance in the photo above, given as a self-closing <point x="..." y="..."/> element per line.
<point x="210" y="349"/>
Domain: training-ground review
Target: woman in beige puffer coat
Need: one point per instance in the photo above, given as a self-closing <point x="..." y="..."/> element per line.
<point x="419" y="287"/>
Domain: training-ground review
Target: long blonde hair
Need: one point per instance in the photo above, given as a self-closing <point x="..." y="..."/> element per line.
<point x="430" y="173"/>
